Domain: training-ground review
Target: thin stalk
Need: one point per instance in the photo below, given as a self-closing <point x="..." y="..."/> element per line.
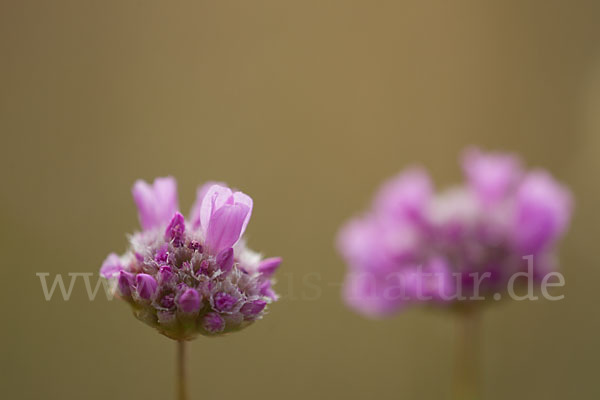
<point x="181" y="371"/>
<point x="466" y="381"/>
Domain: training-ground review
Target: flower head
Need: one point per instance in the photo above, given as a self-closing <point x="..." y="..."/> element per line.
<point x="415" y="246"/>
<point x="186" y="278"/>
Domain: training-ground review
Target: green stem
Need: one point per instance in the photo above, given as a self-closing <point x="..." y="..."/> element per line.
<point x="181" y="371"/>
<point x="466" y="381"/>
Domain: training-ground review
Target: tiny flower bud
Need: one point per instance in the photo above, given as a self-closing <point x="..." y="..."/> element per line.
<point x="145" y="286"/>
<point x="165" y="274"/>
<point x="213" y="323"/>
<point x="189" y="301"/>
<point x="168" y="301"/>
<point x="176" y="229"/>
<point x="265" y="290"/>
<point x="268" y="266"/>
<point x="204" y="264"/>
<point x="162" y="254"/>
<point x="224" y="302"/>
<point x="195" y="245"/>
<point x="181" y="287"/>
<point x="225" y="259"/>
<point x="126" y="280"/>
<point x="251" y="309"/>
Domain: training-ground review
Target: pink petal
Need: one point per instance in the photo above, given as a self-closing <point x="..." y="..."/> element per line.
<point x="215" y="198"/>
<point x="268" y="266"/>
<point x="157" y="203"/>
<point x="225" y="226"/>
<point x="405" y="197"/>
<point x="543" y="212"/>
<point x="225" y="259"/>
<point x="491" y="175"/>
<point x="200" y="195"/>
<point x="242" y="198"/>
<point x="111" y="266"/>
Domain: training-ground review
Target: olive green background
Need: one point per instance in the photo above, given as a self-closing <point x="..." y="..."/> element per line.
<point x="307" y="106"/>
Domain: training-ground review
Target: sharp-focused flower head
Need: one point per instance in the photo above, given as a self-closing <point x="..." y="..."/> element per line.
<point x="415" y="246"/>
<point x="198" y="277"/>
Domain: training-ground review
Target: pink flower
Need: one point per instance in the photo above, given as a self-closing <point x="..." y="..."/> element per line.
<point x="189" y="278"/>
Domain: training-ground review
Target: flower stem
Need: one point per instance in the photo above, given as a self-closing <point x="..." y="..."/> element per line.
<point x="466" y="381"/>
<point x="181" y="371"/>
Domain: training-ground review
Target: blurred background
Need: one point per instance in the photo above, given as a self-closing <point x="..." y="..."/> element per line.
<point x="307" y="106"/>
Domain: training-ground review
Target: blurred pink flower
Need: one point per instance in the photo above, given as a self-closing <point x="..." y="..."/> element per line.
<point x="414" y="246"/>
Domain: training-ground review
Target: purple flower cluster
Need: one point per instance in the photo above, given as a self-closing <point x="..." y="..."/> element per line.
<point x="415" y="246"/>
<point x="186" y="278"/>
